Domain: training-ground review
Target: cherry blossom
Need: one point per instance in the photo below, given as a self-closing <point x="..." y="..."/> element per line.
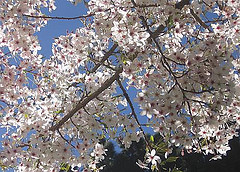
<point x="175" y="59"/>
<point x="152" y="158"/>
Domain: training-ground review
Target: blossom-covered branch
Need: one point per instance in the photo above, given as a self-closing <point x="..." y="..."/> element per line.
<point x="176" y="55"/>
<point x="83" y="103"/>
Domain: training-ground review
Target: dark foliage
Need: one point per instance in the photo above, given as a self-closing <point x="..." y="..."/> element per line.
<point x="230" y="163"/>
<point x="125" y="161"/>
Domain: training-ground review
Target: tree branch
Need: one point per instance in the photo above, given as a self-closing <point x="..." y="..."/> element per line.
<point x="83" y="103"/>
<point x="182" y="3"/>
<point x="133" y="111"/>
<point x="60" y="18"/>
<point x="199" y="20"/>
<point x="105" y="57"/>
<point x="65" y="139"/>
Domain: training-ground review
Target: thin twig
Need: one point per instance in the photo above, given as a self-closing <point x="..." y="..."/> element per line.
<point x="60" y="18"/>
<point x="65" y="139"/>
<point x="133" y="111"/>
<point x="198" y="19"/>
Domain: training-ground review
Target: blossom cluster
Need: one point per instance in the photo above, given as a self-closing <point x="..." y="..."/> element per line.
<point x="176" y="54"/>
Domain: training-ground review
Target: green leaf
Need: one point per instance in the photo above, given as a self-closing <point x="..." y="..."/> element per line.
<point x="153" y="167"/>
<point x="151" y="138"/>
<point x="172" y="159"/>
<point x="68" y="167"/>
<point x="163" y="163"/>
<point x="170" y="22"/>
<point x="161" y="147"/>
<point x="59" y="111"/>
<point x="123" y="57"/>
<point x="104" y="124"/>
<point x="102" y="136"/>
<point x="65" y="167"/>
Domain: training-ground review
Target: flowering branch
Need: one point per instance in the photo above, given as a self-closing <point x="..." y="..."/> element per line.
<point x="187" y="78"/>
<point x="199" y="20"/>
<point x="83" y="103"/>
<point x="65" y="138"/>
<point x="105" y="57"/>
<point x="133" y="111"/>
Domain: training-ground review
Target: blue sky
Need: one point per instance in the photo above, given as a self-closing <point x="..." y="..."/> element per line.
<point x="55" y="28"/>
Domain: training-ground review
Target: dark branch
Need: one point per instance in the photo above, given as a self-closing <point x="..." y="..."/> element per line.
<point x="182" y="3"/>
<point x="198" y="19"/>
<point x="133" y="111"/>
<point x="83" y="103"/>
<point x="60" y="18"/>
<point x="105" y="57"/>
